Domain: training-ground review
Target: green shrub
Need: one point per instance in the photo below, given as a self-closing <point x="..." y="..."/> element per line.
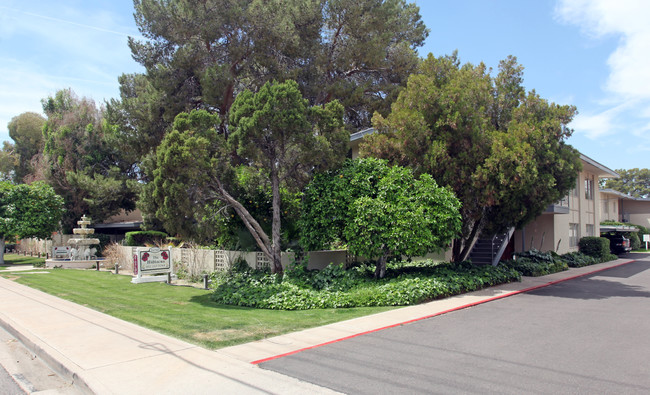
<point x="240" y="265"/>
<point x="104" y="240"/>
<point x="635" y="242"/>
<point x="335" y="286"/>
<point x="535" y="263"/>
<point x="597" y="247"/>
<point x="578" y="259"/>
<point x="143" y="237"/>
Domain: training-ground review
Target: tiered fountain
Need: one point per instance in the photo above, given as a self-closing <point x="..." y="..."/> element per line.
<point x="81" y="256"/>
<point x="81" y="250"/>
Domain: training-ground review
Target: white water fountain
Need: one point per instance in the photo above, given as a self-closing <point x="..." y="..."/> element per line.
<point x="78" y="253"/>
<point x="81" y="250"/>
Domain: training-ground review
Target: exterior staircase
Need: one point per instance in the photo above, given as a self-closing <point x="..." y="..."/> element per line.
<point x="488" y="251"/>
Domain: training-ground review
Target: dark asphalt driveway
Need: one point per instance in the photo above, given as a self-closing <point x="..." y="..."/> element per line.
<point x="589" y="335"/>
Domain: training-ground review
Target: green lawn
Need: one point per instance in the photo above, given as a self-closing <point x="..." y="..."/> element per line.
<point x="15" y="260"/>
<point x="183" y="312"/>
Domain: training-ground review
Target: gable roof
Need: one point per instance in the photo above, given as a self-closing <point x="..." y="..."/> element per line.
<point x="623" y="196"/>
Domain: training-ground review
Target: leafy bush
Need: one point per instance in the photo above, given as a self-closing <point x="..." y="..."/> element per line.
<point x="597" y="247"/>
<point x="143" y="237"/>
<point x="240" y="265"/>
<point x="378" y="211"/>
<point x="535" y="263"/>
<point x="104" y="240"/>
<point x="635" y="242"/>
<point x="578" y="259"/>
<point x="335" y="286"/>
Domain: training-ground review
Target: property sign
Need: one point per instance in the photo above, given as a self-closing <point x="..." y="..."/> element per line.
<point x="646" y="238"/>
<point x="154" y="260"/>
<point x="150" y="261"/>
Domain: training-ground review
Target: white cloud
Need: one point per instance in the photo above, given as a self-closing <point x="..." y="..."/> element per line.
<point x="627" y="93"/>
<point x="596" y="125"/>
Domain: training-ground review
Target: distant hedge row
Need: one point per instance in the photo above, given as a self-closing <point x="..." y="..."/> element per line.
<point x="144" y="237"/>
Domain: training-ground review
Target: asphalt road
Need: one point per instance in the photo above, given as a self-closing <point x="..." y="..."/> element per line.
<point x="590" y="335"/>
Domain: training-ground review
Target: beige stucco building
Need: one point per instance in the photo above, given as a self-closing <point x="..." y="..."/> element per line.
<point x="624" y="208"/>
<point x="578" y="215"/>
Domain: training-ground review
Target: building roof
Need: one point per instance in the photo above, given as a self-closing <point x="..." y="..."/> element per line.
<point x="360" y="134"/>
<point x="623" y="195"/>
<point x="617" y="228"/>
<point x="597" y="168"/>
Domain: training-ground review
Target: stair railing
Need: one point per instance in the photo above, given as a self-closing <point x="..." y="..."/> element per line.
<point x="504" y="243"/>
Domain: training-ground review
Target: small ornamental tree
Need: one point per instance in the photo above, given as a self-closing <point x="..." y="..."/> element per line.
<point x="380" y="211"/>
<point x="274" y="133"/>
<point x="28" y="211"/>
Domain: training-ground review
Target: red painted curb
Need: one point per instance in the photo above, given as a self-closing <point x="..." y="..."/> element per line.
<point x="440" y="313"/>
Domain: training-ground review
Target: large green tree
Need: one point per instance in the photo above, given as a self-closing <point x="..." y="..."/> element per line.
<point x="84" y="164"/>
<point x="28" y="211"/>
<point x="26" y="130"/>
<point x="201" y="54"/>
<point x="635" y="182"/>
<point x="500" y="149"/>
<point x="276" y="135"/>
<point x="378" y="211"/>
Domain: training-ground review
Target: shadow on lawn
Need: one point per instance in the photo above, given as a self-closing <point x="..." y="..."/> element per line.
<point x="206" y="300"/>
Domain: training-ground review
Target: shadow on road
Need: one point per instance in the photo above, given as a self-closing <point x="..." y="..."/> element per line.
<point x="597" y="286"/>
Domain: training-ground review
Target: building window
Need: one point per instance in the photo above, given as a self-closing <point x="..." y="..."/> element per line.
<point x="606" y="206"/>
<point x="573" y="235"/>
<point x="590" y="230"/>
<point x="589" y="188"/>
<point x="576" y="191"/>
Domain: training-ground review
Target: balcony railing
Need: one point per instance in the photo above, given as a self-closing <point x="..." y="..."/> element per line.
<point x="560" y="207"/>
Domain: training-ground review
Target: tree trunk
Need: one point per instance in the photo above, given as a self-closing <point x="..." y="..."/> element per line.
<point x="380" y="269"/>
<point x="251" y="224"/>
<point x="463" y="246"/>
<point x="276" y="237"/>
<point x="2" y="251"/>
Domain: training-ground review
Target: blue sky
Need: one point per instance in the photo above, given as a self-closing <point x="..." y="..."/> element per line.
<point x="590" y="53"/>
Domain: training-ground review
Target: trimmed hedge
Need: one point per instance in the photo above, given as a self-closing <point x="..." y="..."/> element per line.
<point x="597" y="247"/>
<point x="143" y="237"/>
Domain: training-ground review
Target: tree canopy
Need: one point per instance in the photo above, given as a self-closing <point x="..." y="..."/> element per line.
<point x="26" y="130"/>
<point x="28" y="211"/>
<point x="276" y="136"/>
<point x="82" y="161"/>
<point x="378" y="211"/>
<point x="202" y="54"/>
<point x="500" y="149"/>
<point x="634" y="182"/>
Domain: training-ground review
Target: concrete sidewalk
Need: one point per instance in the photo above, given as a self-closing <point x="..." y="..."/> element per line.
<point x="106" y="355"/>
